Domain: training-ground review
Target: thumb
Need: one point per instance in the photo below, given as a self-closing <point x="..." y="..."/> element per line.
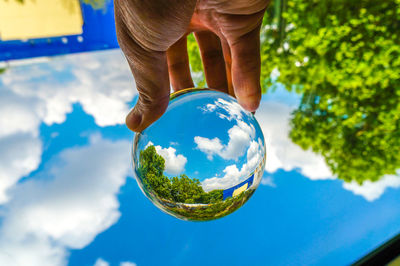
<point x="146" y="111"/>
<point x="150" y="69"/>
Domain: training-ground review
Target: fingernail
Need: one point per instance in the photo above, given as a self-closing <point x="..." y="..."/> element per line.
<point x="250" y="106"/>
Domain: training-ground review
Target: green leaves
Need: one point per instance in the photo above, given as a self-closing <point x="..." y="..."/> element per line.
<point x="177" y="189"/>
<point x="196" y="65"/>
<point x="350" y="82"/>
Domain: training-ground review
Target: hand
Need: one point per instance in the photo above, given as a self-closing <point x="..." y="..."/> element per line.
<point x="152" y="35"/>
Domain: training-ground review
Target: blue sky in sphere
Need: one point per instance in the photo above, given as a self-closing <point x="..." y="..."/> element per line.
<point x="68" y="196"/>
<point x="206" y="134"/>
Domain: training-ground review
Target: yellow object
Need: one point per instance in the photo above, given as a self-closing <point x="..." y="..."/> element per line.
<point x="395" y="262"/>
<point x="39" y="19"/>
<point x="240" y="190"/>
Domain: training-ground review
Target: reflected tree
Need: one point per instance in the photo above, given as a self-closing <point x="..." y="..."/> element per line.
<point x="180" y="189"/>
<point x="182" y="196"/>
<point x="344" y="57"/>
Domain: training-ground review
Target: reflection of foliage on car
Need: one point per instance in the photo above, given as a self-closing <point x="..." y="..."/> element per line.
<point x="177" y="189"/>
<point x="344" y="57"/>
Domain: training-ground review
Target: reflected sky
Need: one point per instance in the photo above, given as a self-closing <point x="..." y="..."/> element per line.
<point x="203" y="158"/>
<point x="68" y="196"/>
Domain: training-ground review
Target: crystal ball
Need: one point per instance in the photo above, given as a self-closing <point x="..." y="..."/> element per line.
<point x="203" y="159"/>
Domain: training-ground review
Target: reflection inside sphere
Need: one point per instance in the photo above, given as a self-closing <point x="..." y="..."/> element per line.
<point x="203" y="159"/>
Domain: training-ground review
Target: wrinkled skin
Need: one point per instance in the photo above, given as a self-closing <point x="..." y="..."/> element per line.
<point x="152" y="35"/>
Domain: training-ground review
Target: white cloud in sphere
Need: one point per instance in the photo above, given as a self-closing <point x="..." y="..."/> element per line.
<point x="240" y="136"/>
<point x="174" y="163"/>
<point x="232" y="174"/>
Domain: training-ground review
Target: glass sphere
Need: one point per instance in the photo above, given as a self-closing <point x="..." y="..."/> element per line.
<point x="203" y="159"/>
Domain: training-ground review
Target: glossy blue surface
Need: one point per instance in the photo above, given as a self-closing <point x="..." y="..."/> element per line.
<point x="68" y="196"/>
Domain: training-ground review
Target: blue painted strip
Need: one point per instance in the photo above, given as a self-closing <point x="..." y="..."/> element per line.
<point x="227" y="193"/>
<point x="98" y="34"/>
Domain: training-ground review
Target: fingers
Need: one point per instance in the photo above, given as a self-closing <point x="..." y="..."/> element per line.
<point x="145" y="30"/>
<point x="178" y="65"/>
<point x="228" y="66"/>
<point x="151" y="75"/>
<point x="246" y="68"/>
<point x="213" y="60"/>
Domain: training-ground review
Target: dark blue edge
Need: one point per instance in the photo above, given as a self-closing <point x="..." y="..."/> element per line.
<point x="98" y="34"/>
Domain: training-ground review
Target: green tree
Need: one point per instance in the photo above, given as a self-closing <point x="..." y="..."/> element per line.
<point x="186" y="190"/>
<point x="344" y="57"/>
<point x="196" y="66"/>
<point x="151" y="171"/>
<point x="177" y="189"/>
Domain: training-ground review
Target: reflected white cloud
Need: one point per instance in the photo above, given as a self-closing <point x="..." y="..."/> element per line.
<point x="100" y="82"/>
<point x="240" y="136"/>
<point x="101" y="262"/>
<point x="127" y="263"/>
<point x="64" y="206"/>
<point x="232" y="175"/>
<point x="225" y="109"/>
<point x="268" y="181"/>
<point x="45" y="92"/>
<point x="18" y="114"/>
<point x="174" y="163"/>
<point x="282" y="153"/>
<point x="20" y="154"/>
<point x="373" y="190"/>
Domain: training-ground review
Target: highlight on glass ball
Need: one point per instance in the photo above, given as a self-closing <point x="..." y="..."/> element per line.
<point x="203" y="159"/>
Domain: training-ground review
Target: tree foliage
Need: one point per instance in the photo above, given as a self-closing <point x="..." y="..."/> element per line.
<point x="177" y="189"/>
<point x="344" y="57"/>
<point x="196" y="65"/>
